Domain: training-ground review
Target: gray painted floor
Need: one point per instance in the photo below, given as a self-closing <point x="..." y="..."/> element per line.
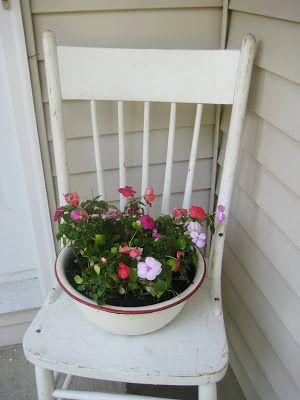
<point x="17" y="382"/>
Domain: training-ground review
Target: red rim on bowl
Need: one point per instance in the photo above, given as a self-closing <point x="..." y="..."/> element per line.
<point x="130" y="310"/>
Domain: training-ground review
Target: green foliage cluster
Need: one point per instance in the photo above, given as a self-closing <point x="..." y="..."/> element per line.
<point x="97" y="239"/>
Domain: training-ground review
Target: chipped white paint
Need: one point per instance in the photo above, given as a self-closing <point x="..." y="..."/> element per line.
<point x="139" y="359"/>
<point x="230" y="162"/>
<point x="56" y="114"/>
<point x="203" y="353"/>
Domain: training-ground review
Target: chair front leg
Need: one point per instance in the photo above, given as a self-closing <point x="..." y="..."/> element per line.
<point x="44" y="383"/>
<point x="207" y="392"/>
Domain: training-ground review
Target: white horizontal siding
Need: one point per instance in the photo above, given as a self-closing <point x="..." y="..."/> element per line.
<point x="240" y="372"/>
<point x="266" y="317"/>
<point x="272" y="35"/>
<point x="287" y="10"/>
<point x="267" y="360"/>
<point x="58" y="6"/>
<point x="254" y="378"/>
<point x="262" y="256"/>
<point x="172" y="28"/>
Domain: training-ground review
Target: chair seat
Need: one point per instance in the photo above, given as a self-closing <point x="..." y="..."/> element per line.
<point x="191" y="350"/>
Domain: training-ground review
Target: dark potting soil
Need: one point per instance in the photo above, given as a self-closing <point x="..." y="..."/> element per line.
<point x="179" y="286"/>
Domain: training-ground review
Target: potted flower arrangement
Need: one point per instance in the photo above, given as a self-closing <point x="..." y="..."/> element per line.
<point x="128" y="272"/>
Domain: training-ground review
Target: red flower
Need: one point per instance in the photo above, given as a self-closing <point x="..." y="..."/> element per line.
<point x="179" y="255"/>
<point x="147" y="222"/>
<point x="127" y="191"/>
<point x="197" y="212"/>
<point x="149" y="195"/>
<point x="123" y="270"/>
<point x="72" y="198"/>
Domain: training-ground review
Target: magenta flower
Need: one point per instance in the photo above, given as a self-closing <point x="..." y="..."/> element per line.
<point x="58" y="213"/>
<point x="95" y="216"/>
<point x="220" y="215"/>
<point x="149" y="269"/>
<point x="155" y="234"/>
<point x="114" y="214"/>
<point x="147" y="222"/>
<point x="194" y="230"/>
<point x="79" y="215"/>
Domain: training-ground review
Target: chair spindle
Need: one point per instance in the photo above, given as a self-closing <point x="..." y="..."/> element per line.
<point x="122" y="168"/>
<point x="193" y="157"/>
<point x="165" y="208"/>
<point x="145" y="162"/>
<point x="97" y="147"/>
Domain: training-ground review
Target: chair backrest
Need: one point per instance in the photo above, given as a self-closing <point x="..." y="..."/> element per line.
<point x="148" y="75"/>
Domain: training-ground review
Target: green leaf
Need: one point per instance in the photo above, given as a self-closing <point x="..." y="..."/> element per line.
<point x="78" y="279"/>
<point x="133" y="274"/>
<point x="122" y="290"/>
<point x="160" y="286"/>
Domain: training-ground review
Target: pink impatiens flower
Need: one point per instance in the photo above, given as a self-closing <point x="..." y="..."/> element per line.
<point x="194" y="230"/>
<point x="147" y="222"/>
<point x="72" y="198"/>
<point x="127" y="191"/>
<point x="149" y="195"/>
<point x="58" y="213"/>
<point x="134" y="252"/>
<point x="179" y="212"/>
<point x="79" y="215"/>
<point x="220" y="216"/>
<point x="149" y="269"/>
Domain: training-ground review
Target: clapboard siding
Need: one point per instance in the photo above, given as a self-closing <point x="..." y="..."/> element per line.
<point x="172" y="28"/>
<point x="261" y="286"/>
<point x="240" y="372"/>
<point x="57" y="6"/>
<point x="272" y="35"/>
<point x="267" y="360"/>
<point x="266" y="278"/>
<point x="287" y="10"/>
<point x="254" y="378"/>
<point x="264" y="314"/>
<point x="262" y="140"/>
<point x="269" y="238"/>
<point x="273" y="197"/>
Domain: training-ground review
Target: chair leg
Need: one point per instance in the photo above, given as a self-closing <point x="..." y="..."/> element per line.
<point x="44" y="383"/>
<point x="207" y="392"/>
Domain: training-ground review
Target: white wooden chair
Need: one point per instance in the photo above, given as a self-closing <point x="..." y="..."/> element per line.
<point x="192" y="350"/>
